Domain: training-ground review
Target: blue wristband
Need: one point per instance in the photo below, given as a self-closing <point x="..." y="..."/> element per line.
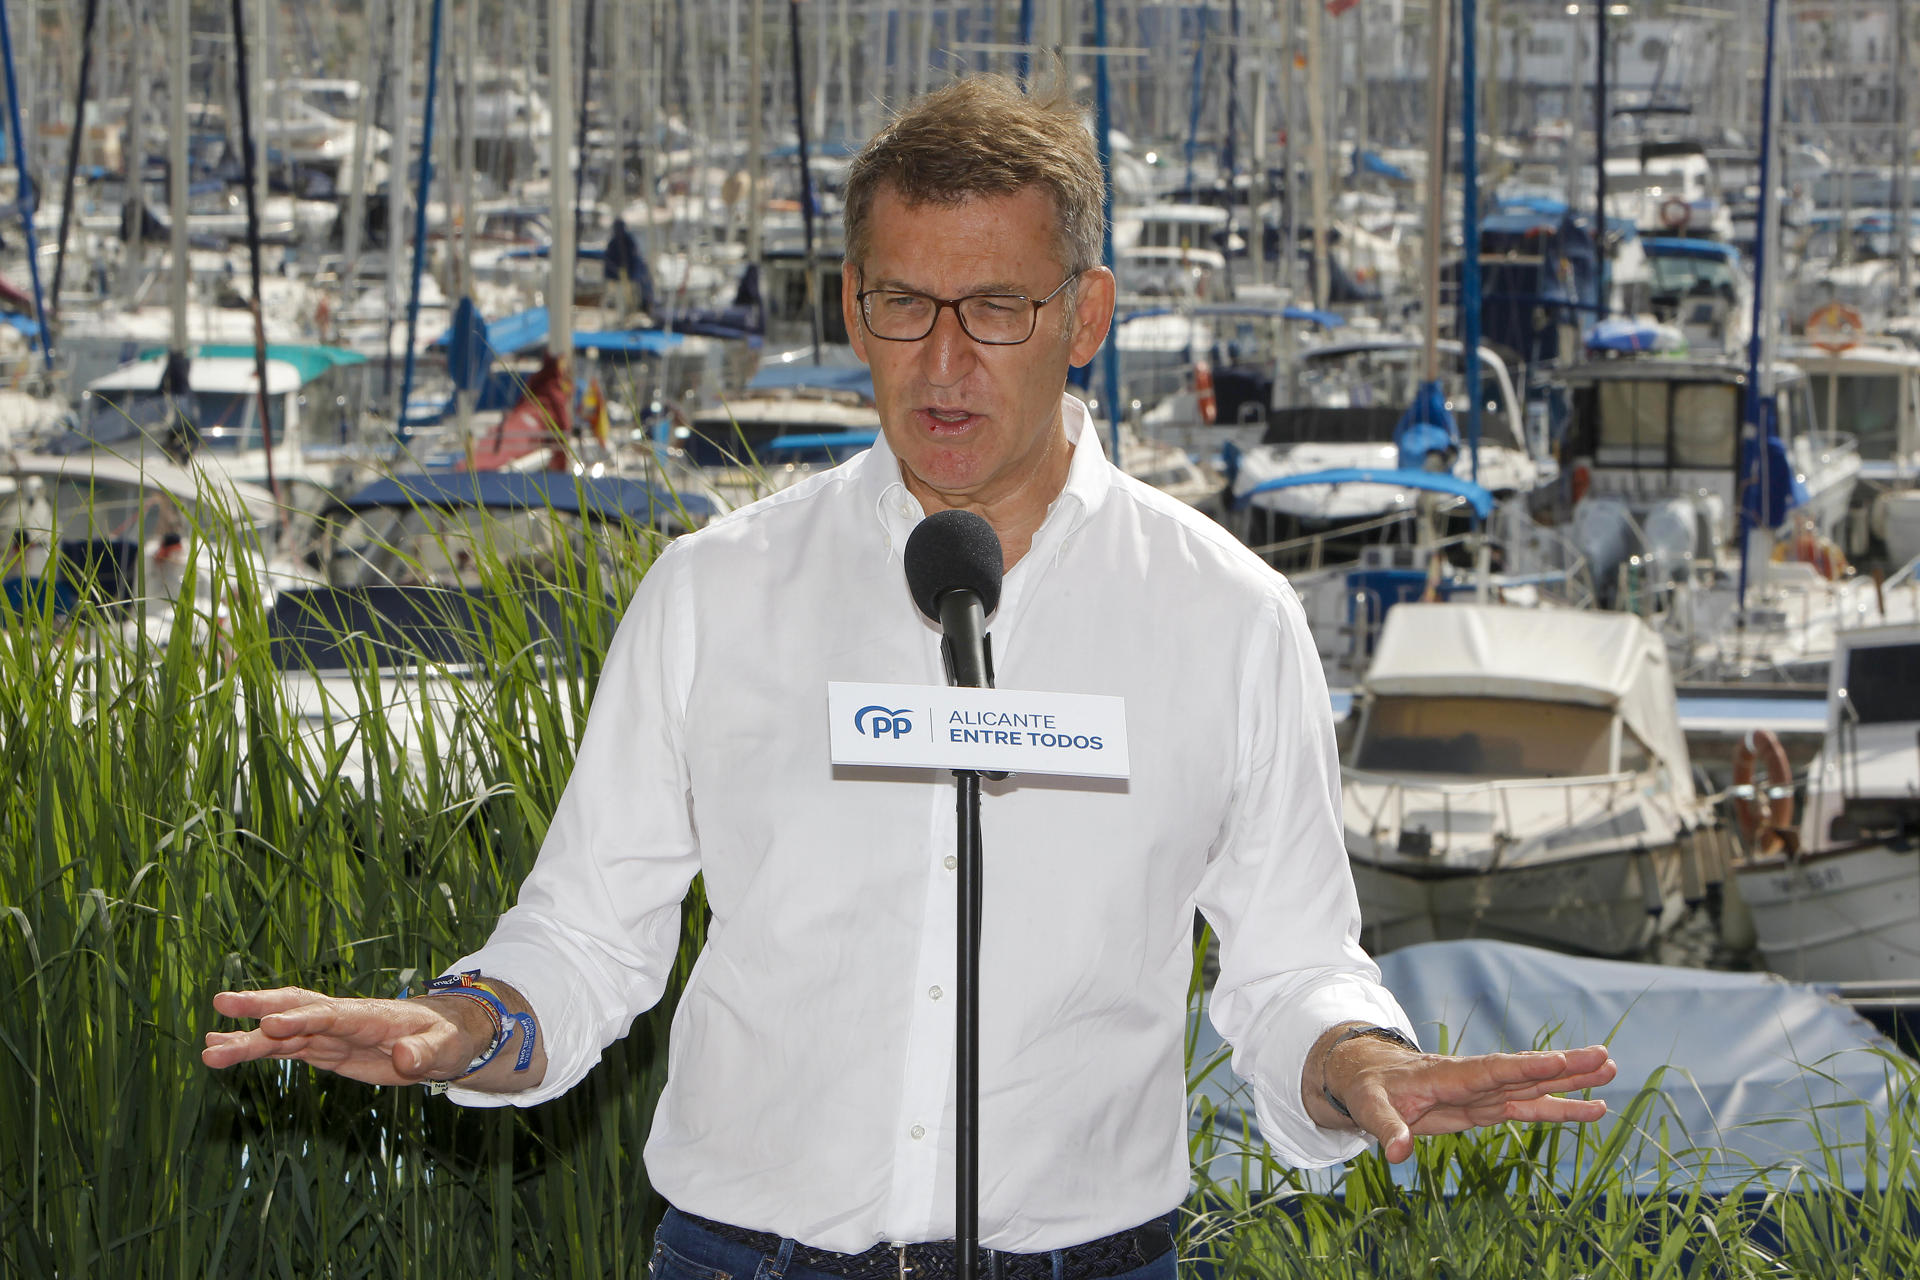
<point x="469" y="985"/>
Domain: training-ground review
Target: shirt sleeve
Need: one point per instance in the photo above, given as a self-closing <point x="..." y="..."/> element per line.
<point x="1279" y="893"/>
<point x="592" y="938"/>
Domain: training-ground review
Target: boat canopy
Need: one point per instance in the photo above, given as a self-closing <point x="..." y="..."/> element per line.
<point x="856" y="378"/>
<point x="1586" y="657"/>
<point x="602" y="497"/>
<point x="1400" y="478"/>
<point x="209" y="373"/>
<point x="309" y="359"/>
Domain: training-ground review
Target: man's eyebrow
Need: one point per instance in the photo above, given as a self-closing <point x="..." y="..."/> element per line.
<point x="992" y="286"/>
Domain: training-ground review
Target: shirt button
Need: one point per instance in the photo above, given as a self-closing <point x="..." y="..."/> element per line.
<point x="933" y="993"/>
<point x="917" y="1132"/>
<point x="951" y="862"/>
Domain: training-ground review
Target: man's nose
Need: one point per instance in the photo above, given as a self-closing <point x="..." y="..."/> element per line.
<point x="948" y="353"/>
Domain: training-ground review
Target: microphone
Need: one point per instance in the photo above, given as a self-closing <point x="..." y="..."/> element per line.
<point x="954" y="566"/>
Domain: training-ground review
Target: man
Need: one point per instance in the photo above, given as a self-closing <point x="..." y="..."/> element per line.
<point x="807" y="1122"/>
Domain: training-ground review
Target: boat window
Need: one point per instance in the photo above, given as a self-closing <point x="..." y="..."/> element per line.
<point x="230" y="420"/>
<point x="1633" y="424"/>
<point x="1634" y="756"/>
<point x="1865" y="407"/>
<point x="1388" y="378"/>
<point x="1706" y="425"/>
<point x="1484" y="737"/>
<point x="1883" y="683"/>
<point x="1685" y="273"/>
<point x="1662" y="424"/>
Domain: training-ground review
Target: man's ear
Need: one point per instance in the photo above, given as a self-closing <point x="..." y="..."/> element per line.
<point x="1092" y="314"/>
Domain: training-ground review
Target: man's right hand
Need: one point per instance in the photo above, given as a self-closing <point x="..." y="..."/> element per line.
<point x="376" y="1041"/>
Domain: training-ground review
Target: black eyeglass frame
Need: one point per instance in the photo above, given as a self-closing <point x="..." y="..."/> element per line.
<point x="940" y="304"/>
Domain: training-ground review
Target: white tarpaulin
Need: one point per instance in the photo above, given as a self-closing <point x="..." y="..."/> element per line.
<point x="1595" y="659"/>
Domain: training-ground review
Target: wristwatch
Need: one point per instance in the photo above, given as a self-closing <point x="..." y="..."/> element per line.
<point x="1389" y="1034"/>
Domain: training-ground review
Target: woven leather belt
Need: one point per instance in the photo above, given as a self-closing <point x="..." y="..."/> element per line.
<point x="1112" y="1255"/>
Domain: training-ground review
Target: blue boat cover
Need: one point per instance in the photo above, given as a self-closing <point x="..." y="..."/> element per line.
<point x="1435" y="481"/>
<point x="830" y="377"/>
<point x="1427" y="427"/>
<point x="1675" y="247"/>
<point x="1752" y="1072"/>
<point x="831" y="443"/>
<point x="1774" y="487"/>
<point x="511" y="335"/>
<point x="1627" y="334"/>
<point x="628" y="341"/>
<point x="604" y="497"/>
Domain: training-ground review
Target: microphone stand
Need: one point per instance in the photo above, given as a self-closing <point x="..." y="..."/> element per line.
<point x="966" y="1244"/>
<point x="967" y="849"/>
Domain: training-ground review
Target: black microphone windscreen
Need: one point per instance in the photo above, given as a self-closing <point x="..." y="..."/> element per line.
<point x="950" y="550"/>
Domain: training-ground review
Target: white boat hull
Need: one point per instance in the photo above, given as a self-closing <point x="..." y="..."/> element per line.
<point x="1601" y="904"/>
<point x="1838" y="917"/>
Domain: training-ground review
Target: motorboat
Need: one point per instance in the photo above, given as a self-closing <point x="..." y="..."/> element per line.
<point x="138" y="538"/>
<point x="320" y="447"/>
<point x="1522" y="774"/>
<point x="1836" y="897"/>
<point x="1343" y="405"/>
<point x="1656" y="445"/>
<point x="1703" y="288"/>
<point x="1867" y="388"/>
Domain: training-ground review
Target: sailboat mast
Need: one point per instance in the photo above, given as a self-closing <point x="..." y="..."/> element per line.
<point x="1469" y="321"/>
<point x="1758" y="430"/>
<point x="179" y="74"/>
<point x="560" y="190"/>
<point x="1437" y="15"/>
<point x="360" y="163"/>
<point x="1902" y="159"/>
<point x="27" y="197"/>
<point x="134" y="218"/>
<point x="806" y="173"/>
<point x="73" y="150"/>
<point x="249" y="159"/>
<point x="435" y="25"/>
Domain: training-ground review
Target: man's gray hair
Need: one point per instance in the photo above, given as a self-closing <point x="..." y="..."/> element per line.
<point x="981" y="136"/>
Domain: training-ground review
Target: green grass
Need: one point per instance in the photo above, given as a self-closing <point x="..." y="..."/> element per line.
<point x="174" y="827"/>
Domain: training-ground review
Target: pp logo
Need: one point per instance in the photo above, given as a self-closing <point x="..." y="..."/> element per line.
<point x="879" y="722"/>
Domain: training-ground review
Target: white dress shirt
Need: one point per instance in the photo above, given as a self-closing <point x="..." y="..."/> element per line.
<point x="810" y="1082"/>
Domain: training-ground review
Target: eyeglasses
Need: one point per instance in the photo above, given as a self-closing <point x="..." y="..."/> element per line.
<point x="992" y="319"/>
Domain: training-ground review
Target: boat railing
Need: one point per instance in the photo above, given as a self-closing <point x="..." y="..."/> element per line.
<point x="1492" y="797"/>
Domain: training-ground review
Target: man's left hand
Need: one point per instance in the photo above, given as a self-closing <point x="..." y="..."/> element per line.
<point x="1395" y="1093"/>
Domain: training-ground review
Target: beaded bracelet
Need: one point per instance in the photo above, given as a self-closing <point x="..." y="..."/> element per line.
<point x="473" y="987"/>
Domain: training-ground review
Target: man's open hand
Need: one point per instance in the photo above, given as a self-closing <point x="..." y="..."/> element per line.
<point x="1395" y="1094"/>
<point x="376" y="1041"/>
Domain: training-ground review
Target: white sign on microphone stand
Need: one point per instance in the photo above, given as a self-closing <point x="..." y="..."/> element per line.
<point x="921" y="726"/>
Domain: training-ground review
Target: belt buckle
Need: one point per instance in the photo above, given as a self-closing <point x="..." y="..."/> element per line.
<point x="900" y="1250"/>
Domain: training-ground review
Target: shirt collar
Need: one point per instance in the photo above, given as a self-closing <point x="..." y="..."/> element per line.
<point x="1089" y="479"/>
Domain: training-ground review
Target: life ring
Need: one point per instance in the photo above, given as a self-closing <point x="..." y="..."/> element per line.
<point x="1834" y="327"/>
<point x="1203" y="391"/>
<point x="1760" y="748"/>
<point x="1675" y="213"/>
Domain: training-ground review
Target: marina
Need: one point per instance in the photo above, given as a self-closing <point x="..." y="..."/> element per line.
<point x="361" y="357"/>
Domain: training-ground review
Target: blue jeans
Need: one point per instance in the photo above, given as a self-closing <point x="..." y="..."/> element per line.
<point x="683" y="1251"/>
